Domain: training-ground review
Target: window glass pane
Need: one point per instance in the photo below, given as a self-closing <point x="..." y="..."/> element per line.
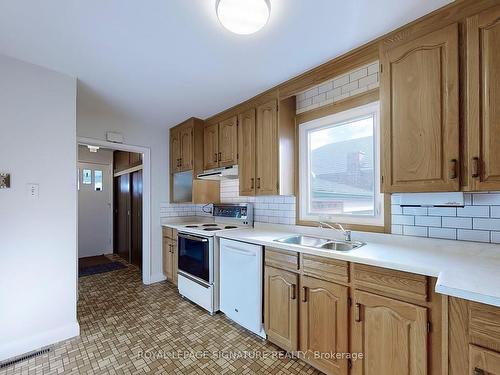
<point x="341" y="169"/>
<point x="97" y="180"/>
<point x="87" y="177"/>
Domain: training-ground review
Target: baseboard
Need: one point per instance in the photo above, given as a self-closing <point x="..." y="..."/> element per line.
<point x="40" y="340"/>
<point x="156" y="278"/>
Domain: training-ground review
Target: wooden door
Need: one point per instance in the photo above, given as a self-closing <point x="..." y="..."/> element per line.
<point x="266" y="135"/>
<point x="136" y="219"/>
<point x="483" y="99"/>
<point x="281" y="307"/>
<point x="420" y="114"/>
<point x="167" y="258"/>
<point x="135" y="159"/>
<point x="246" y="150"/>
<point x="483" y="361"/>
<point x="175" y="150"/>
<point x="324" y="324"/>
<point x="121" y="220"/>
<point x="228" y="142"/>
<point x="211" y="146"/>
<point x="391" y="334"/>
<point x="121" y="160"/>
<point x="186" y="137"/>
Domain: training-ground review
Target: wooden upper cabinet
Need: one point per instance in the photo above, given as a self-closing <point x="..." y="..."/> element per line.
<point x="246" y="146"/>
<point x="281" y="307"/>
<point x="420" y="113"/>
<point x="186" y="140"/>
<point x="324" y="324"/>
<point x="391" y="334"/>
<point x="175" y="150"/>
<point x="266" y="149"/>
<point x="211" y="146"/>
<point x="228" y="142"/>
<point x="483" y="99"/>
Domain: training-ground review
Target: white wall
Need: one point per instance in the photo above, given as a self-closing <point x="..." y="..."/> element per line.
<point x="37" y="236"/>
<point x="102" y="156"/>
<point x="94" y="119"/>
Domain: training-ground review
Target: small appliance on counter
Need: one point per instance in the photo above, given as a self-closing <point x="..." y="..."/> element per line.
<point x="198" y="268"/>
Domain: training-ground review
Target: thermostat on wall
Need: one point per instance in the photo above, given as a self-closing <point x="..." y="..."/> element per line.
<point x="4" y="180"/>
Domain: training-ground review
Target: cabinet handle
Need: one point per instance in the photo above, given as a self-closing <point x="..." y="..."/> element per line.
<point x="475" y="167"/>
<point x="252" y="183"/>
<point x="304" y="294"/>
<point x="292" y="292"/>
<point x="258" y="183"/>
<point x="357" y="313"/>
<point x="453" y="169"/>
<point x="215" y="157"/>
<point x="478" y="371"/>
<point x="220" y="156"/>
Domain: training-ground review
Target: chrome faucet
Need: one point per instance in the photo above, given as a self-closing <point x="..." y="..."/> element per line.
<point x="338" y="227"/>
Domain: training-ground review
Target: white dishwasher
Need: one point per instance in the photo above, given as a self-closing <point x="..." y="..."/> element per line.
<point x="241" y="277"/>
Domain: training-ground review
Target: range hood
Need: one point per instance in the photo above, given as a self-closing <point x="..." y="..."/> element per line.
<point x="225" y="173"/>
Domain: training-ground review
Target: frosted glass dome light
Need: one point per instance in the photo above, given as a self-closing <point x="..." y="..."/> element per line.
<point x="243" y="16"/>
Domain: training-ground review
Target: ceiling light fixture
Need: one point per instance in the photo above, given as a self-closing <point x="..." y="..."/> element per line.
<point x="243" y="16"/>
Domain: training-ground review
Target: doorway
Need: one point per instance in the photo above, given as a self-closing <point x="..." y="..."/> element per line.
<point x="139" y="182"/>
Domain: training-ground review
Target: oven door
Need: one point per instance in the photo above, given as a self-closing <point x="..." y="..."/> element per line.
<point x="196" y="257"/>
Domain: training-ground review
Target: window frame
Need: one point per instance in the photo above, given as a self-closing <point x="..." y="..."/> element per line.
<point x="339" y="118"/>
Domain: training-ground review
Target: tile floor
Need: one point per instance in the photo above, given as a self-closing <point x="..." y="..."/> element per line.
<point x="130" y="328"/>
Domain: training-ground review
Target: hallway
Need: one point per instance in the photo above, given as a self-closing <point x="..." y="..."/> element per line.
<point x="120" y="318"/>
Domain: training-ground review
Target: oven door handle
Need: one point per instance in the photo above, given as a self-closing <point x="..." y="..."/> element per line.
<point x="193" y="238"/>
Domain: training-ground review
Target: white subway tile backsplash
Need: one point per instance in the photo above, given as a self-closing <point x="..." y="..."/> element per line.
<point x="495" y="237"/>
<point x="495" y="211"/>
<point x="409" y="230"/>
<point x="474" y="211"/>
<point x="442" y="211"/>
<point x="396" y="209"/>
<point x="396" y="229"/>
<point x="373" y="68"/>
<point x="368" y="80"/>
<point x="414" y="210"/>
<point x="403" y="220"/>
<point x="473" y="235"/>
<point x="487" y="224"/>
<point x="357" y="74"/>
<point x="340" y="81"/>
<point x="492" y="199"/>
<point x="325" y="87"/>
<point x="444" y="233"/>
<point x="457" y="222"/>
<point x="350" y="87"/>
<point x="428" y="221"/>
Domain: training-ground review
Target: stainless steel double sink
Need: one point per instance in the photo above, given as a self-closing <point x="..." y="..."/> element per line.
<point x="321" y="243"/>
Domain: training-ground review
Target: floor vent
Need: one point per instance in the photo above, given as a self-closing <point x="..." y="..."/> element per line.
<point x="14" y="361"/>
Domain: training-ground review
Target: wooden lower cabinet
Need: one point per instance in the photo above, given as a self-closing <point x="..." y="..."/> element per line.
<point x="281" y="307"/>
<point x="391" y="334"/>
<point x="170" y="254"/>
<point x="324" y="324"/>
<point x="483" y="361"/>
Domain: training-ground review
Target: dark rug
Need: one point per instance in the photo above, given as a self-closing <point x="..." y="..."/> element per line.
<point x="100" y="268"/>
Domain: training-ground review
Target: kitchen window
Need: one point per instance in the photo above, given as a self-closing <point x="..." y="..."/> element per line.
<point x="339" y="168"/>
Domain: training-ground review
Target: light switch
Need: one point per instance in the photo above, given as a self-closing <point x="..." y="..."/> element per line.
<point x="4" y="180"/>
<point x="33" y="190"/>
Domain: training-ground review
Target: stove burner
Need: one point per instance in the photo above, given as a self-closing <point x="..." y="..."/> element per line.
<point x="230" y="227"/>
<point x="212" y="228"/>
<point x="209" y="225"/>
<point x="191" y="226"/>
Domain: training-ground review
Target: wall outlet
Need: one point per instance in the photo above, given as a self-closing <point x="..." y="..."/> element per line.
<point x="33" y="190"/>
<point x="4" y="180"/>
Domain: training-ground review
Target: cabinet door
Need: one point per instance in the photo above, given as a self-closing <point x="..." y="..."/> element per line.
<point x="175" y="260"/>
<point x="483" y="361"/>
<point x="186" y="136"/>
<point x="391" y="334"/>
<point x="211" y="146"/>
<point x="121" y="160"/>
<point x="483" y="99"/>
<point x="228" y="142"/>
<point x="324" y="324"/>
<point x="281" y="307"/>
<point x="175" y="150"/>
<point x="246" y="147"/>
<point x="267" y="149"/>
<point x="167" y="258"/>
<point x="419" y="114"/>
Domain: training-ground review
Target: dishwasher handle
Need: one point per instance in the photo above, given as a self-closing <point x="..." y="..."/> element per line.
<point x="239" y="251"/>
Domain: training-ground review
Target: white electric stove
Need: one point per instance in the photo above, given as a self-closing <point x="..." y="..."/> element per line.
<point x="198" y="268"/>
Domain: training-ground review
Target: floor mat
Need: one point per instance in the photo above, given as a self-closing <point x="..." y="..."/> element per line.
<point x="93" y="261"/>
<point x="100" y="268"/>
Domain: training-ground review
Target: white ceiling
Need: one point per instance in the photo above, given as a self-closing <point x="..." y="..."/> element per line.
<point x="162" y="61"/>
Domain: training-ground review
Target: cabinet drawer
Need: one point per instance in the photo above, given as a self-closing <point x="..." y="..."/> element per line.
<point x="284" y="259"/>
<point x="482" y="361"/>
<point x="396" y="283"/>
<point x="325" y="268"/>
<point x="484" y="325"/>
